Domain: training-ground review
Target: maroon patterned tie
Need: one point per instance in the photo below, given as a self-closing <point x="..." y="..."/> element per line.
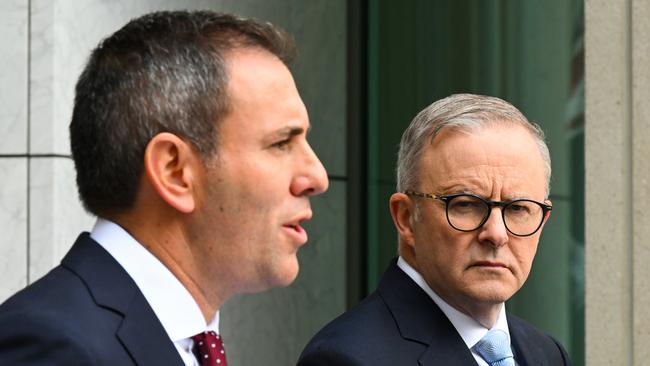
<point x="208" y="349"/>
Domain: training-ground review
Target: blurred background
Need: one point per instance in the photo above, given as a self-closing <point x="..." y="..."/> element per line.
<point x="365" y="69"/>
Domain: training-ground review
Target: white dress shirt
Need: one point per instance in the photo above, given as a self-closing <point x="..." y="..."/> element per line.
<point x="469" y="329"/>
<point x="176" y="309"/>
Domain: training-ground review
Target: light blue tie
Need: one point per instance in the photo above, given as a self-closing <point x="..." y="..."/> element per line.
<point x="494" y="348"/>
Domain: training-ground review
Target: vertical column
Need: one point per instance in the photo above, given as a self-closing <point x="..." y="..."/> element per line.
<point x="640" y="104"/>
<point x="618" y="182"/>
<point x="609" y="184"/>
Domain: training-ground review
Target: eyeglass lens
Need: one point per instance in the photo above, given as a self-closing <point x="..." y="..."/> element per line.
<point x="468" y="213"/>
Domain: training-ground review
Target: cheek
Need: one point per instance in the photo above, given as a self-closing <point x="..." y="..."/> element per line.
<point x="441" y="251"/>
<point x="524" y="255"/>
<point x="437" y="245"/>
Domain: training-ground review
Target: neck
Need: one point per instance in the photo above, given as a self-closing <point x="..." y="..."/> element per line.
<point x="207" y="302"/>
<point x="485" y="315"/>
<point x="165" y="240"/>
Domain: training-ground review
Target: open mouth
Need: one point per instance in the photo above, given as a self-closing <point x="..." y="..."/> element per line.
<point x="294" y="229"/>
<point x="296" y="232"/>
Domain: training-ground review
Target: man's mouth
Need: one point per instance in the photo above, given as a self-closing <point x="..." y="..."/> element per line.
<point x="295" y="230"/>
<point x="489" y="264"/>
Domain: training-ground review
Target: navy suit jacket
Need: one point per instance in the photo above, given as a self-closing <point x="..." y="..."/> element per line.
<point x="399" y="324"/>
<point x="86" y="311"/>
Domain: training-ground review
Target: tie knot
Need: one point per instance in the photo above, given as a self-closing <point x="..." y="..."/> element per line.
<point x="494" y="348"/>
<point x="208" y="348"/>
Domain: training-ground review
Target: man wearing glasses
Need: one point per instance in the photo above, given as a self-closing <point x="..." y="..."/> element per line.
<point x="472" y="199"/>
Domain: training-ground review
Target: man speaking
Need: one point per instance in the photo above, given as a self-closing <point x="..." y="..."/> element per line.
<point x="189" y="139"/>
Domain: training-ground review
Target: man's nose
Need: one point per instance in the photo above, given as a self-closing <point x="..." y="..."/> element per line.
<point x="494" y="230"/>
<point x="312" y="177"/>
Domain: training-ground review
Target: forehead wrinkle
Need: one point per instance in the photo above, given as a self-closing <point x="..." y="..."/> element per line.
<point x="477" y="162"/>
<point x="486" y="181"/>
<point x="479" y="182"/>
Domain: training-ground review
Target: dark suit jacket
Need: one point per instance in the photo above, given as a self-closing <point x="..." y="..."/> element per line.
<point x="399" y="324"/>
<point x="87" y="311"/>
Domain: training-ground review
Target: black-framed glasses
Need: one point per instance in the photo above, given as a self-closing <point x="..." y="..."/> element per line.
<point x="468" y="212"/>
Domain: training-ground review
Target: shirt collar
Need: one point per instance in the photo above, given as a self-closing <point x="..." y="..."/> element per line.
<point x="174" y="306"/>
<point x="469" y="329"/>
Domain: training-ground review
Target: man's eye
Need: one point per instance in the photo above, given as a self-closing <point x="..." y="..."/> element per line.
<point x="282" y="145"/>
<point x="465" y="203"/>
<point x="515" y="207"/>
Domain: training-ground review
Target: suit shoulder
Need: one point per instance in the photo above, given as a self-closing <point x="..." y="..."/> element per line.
<point x="357" y="337"/>
<point x="49" y="322"/>
<point x="57" y="291"/>
<point x="356" y="323"/>
<point x="25" y="333"/>
<point x="531" y="340"/>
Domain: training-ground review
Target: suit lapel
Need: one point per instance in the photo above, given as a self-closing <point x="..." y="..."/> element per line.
<point x="447" y="350"/>
<point x="145" y="338"/>
<point x="420" y="320"/>
<point x="525" y="351"/>
<point x="140" y="332"/>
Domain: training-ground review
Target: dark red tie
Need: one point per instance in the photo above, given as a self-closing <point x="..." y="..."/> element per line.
<point x="208" y="348"/>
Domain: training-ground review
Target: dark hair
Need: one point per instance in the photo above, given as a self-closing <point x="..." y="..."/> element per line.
<point x="162" y="72"/>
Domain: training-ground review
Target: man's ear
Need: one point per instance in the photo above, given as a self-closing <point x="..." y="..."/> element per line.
<point x="172" y="167"/>
<point x="402" y="209"/>
<point x="548" y="213"/>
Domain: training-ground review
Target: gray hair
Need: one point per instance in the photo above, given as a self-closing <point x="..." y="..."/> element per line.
<point x="463" y="111"/>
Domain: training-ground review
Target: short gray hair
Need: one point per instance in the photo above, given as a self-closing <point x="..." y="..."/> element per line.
<point x="463" y="111"/>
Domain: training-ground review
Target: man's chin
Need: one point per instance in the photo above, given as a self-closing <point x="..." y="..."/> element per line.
<point x="492" y="297"/>
<point x="288" y="274"/>
<point x="281" y="275"/>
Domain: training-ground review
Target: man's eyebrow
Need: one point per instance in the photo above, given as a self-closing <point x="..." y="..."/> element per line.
<point x="518" y="196"/>
<point x="290" y="131"/>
